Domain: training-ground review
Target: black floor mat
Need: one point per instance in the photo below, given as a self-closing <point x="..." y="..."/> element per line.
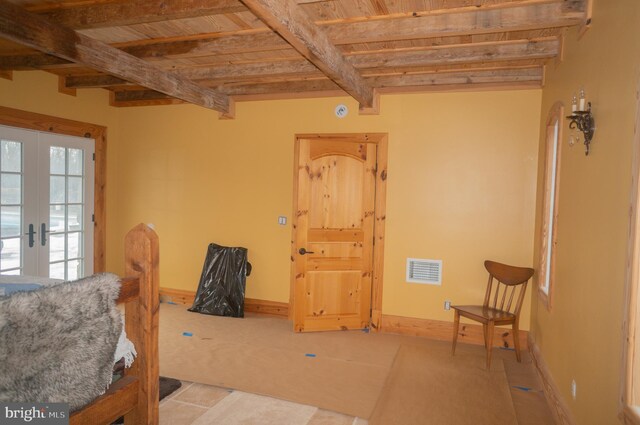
<point x="167" y="386"/>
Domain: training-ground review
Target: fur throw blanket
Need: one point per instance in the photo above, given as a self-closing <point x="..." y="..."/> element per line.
<point x="57" y="343"/>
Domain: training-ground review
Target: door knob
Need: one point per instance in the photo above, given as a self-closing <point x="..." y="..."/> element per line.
<point x="303" y="251"/>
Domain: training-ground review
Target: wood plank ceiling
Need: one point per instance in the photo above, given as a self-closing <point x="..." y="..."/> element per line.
<point x="212" y="52"/>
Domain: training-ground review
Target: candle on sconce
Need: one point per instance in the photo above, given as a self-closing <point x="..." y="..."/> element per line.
<point x="574" y="103"/>
<point x="582" y="99"/>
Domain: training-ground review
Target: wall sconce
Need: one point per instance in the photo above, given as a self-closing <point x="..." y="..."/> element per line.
<point x="582" y="119"/>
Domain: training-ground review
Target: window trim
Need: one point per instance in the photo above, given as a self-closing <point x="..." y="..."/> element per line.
<point x="627" y="412"/>
<point x="551" y="184"/>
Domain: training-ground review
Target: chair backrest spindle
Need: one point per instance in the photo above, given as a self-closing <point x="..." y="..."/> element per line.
<point x="487" y="295"/>
<point x="521" y="298"/>
<point x="504" y="297"/>
<point x="513" y="291"/>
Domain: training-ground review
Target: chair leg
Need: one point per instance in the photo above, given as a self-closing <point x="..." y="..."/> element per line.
<point x="484" y="334"/>
<point x="456" y="324"/>
<point x="489" y="343"/>
<point x="516" y="340"/>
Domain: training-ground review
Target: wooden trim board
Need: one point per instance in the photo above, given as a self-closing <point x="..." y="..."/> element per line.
<point x="432" y="329"/>
<point x="178" y="296"/>
<point x="630" y="378"/>
<point x="39" y="122"/>
<point x="559" y="408"/>
<point x="273" y="308"/>
<point x="443" y="331"/>
<point x="251" y="305"/>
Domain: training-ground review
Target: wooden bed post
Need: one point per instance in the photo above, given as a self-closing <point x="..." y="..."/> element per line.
<point x="141" y="260"/>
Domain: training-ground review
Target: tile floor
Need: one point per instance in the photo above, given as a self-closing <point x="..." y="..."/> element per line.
<point x="200" y="404"/>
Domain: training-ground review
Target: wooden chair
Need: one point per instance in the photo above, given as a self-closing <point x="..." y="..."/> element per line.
<point x="494" y="312"/>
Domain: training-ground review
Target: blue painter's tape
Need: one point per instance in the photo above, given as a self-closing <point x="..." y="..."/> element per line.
<point x="310" y="355"/>
<point x="508" y="348"/>
<point x="171" y="302"/>
<point x="522" y="388"/>
<point x="187" y="334"/>
<point x="365" y="330"/>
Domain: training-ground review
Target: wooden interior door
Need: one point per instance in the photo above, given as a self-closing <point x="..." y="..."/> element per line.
<point x="334" y="233"/>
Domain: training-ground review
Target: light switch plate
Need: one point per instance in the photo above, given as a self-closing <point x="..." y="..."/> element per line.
<point x="282" y="220"/>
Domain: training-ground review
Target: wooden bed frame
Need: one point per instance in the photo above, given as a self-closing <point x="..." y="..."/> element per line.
<point x="136" y="395"/>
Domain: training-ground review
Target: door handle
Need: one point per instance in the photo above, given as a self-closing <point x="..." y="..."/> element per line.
<point x="43" y="234"/>
<point x="303" y="251"/>
<point x="31" y="233"/>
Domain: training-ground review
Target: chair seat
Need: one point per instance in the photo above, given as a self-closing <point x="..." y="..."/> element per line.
<point x="485" y="314"/>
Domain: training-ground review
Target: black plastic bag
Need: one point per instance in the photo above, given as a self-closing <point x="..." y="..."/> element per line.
<point x="222" y="283"/>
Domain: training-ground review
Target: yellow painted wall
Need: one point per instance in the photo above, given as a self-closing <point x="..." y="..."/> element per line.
<point x="581" y="337"/>
<point x="461" y="185"/>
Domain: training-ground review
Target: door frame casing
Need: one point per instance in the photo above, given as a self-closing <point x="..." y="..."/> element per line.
<point x="381" y="141"/>
<point x="50" y="124"/>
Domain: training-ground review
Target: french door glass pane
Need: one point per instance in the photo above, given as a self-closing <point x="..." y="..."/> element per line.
<point x="11" y="207"/>
<point x="57" y="192"/>
<point x="11" y="156"/>
<point x="66" y="227"/>
<point x="10" y="219"/>
<point x="74" y="269"/>
<point x="74" y="189"/>
<point x="11" y="188"/>
<point x="56" y="247"/>
<point x="57" y="160"/>
<point x="74" y="244"/>
<point x="74" y="218"/>
<point x="56" y="270"/>
<point x="75" y="162"/>
<point x="11" y="253"/>
<point x="57" y="215"/>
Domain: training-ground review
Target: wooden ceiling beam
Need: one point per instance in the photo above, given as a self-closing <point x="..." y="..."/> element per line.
<point x="528" y="17"/>
<point x="294" y="25"/>
<point x="214" y="45"/>
<point x="430" y="7"/>
<point x="129" y="12"/>
<point x="408" y="59"/>
<point x="483" y="52"/>
<point x="531" y="77"/>
<point x="32" y="61"/>
<point x="113" y="83"/>
<point x="473" y="77"/>
<point x="93" y="81"/>
<point x="29" y="29"/>
<point x="390" y="81"/>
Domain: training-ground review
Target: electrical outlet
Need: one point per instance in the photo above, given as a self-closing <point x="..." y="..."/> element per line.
<point x="574" y="389"/>
<point x="447" y="305"/>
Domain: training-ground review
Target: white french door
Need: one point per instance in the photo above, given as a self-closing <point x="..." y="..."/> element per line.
<point x="46" y="204"/>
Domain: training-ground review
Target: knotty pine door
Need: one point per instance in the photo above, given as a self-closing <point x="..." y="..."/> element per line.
<point x="333" y="233"/>
<point x="46" y="204"/>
